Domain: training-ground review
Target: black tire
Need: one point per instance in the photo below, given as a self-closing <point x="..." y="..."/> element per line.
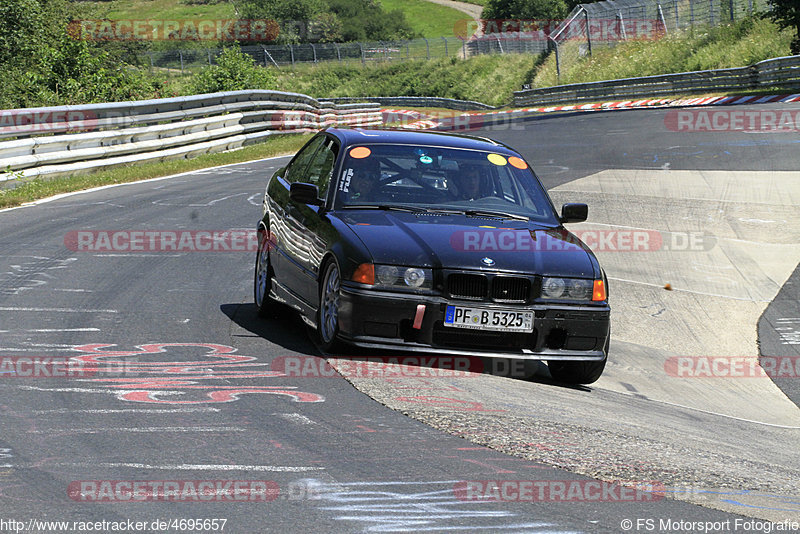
<point x="577" y="372"/>
<point x="328" y="311"/>
<point x="262" y="278"/>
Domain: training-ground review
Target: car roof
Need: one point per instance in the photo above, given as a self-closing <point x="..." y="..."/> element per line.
<point x="360" y="136"/>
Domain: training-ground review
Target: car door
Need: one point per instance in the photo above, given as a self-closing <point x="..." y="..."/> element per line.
<point x="286" y="227"/>
<point x="315" y="231"/>
<point x="306" y="227"/>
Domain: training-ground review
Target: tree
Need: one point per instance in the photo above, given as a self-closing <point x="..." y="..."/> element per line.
<point x="43" y="64"/>
<point x="366" y="20"/>
<point x="525" y="9"/>
<point x="234" y="71"/>
<point x="786" y="13"/>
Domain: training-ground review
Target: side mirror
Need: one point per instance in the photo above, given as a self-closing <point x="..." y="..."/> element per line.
<point x="573" y="212"/>
<point x="305" y="193"/>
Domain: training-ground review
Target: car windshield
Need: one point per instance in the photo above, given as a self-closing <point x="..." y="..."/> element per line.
<point x="422" y="178"/>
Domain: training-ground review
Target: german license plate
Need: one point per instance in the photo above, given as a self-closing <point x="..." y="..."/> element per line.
<point x="489" y="319"/>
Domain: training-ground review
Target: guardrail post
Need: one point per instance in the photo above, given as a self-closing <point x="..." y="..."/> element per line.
<point x="558" y="62"/>
<point x="363" y="60"/>
<point x="677" y="18"/>
<point x="661" y="16"/>
<point x="499" y="45"/>
<point x="181" y="54"/>
<point x="711" y="12"/>
<point x="588" y="32"/>
<point x="691" y="14"/>
<point x="730" y="4"/>
<point x="291" y="53"/>
<point x="209" y="55"/>
<point x="427" y="48"/>
<point x="150" y="54"/>
<point x="338" y="53"/>
<point x="314" y="51"/>
<point x="622" y="26"/>
<point x="445" y="46"/>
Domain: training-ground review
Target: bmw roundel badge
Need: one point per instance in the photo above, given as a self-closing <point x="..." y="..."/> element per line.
<point x="487" y="261"/>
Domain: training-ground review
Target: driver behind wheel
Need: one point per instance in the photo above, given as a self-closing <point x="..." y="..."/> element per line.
<point x="365" y="181"/>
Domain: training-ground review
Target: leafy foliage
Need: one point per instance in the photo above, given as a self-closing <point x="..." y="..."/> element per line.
<point x="787" y="14"/>
<point x="487" y="78"/>
<point x="525" y="9"/>
<point x="329" y="20"/>
<point x="234" y="71"/>
<point x="44" y="65"/>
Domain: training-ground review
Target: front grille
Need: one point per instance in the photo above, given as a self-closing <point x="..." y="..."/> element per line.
<point x="467" y="286"/>
<point x="444" y="336"/>
<point x="511" y="289"/>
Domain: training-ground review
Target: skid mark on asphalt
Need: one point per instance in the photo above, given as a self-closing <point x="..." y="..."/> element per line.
<point x="30" y="275"/>
<point x="415" y="506"/>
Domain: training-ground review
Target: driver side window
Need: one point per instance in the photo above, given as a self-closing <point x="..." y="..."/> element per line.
<point x="321" y="167"/>
<point x="297" y="169"/>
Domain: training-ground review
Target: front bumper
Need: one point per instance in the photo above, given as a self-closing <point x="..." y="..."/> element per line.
<point x="384" y="320"/>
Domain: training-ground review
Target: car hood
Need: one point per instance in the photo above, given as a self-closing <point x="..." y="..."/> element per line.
<point x="460" y="242"/>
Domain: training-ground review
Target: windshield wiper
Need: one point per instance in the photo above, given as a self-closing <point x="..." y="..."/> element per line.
<point x="385" y="207"/>
<point x="496" y="214"/>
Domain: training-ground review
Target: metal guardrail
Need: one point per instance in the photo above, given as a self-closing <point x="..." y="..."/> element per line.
<point x="775" y="73"/>
<point x="96" y="136"/>
<point x="418" y="102"/>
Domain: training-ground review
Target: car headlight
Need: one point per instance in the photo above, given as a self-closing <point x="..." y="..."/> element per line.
<point x="394" y="277"/>
<point x="567" y="288"/>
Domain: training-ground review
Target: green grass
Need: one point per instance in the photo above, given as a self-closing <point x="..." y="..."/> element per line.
<point x="427" y="18"/>
<point x="31" y="190"/>
<point x="489" y="78"/>
<point x="168" y="9"/>
<point x="735" y="45"/>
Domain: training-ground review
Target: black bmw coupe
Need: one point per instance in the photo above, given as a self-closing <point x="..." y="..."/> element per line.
<point x="434" y="243"/>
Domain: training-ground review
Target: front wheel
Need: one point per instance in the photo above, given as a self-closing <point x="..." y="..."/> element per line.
<point x="262" y="279"/>
<point x="328" y="314"/>
<point x="580" y="372"/>
<point x="576" y="372"/>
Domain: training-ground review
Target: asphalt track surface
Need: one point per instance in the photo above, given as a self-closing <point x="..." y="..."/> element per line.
<point x="176" y="406"/>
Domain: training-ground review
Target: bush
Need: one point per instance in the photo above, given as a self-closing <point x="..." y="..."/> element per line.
<point x="234" y="71"/>
<point x="43" y="65"/>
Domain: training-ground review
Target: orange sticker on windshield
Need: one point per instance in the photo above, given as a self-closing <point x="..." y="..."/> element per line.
<point x="497" y="159"/>
<point x="518" y="162"/>
<point x="360" y="152"/>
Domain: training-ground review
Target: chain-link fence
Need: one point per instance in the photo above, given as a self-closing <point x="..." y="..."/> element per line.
<point x="182" y="61"/>
<point x="603" y="23"/>
<point x="609" y="22"/>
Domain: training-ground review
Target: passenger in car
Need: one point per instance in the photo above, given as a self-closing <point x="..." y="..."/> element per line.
<point x="470" y="183"/>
